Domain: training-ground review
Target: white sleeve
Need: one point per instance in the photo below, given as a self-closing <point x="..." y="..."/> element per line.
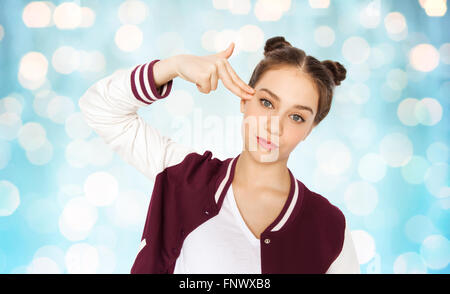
<point x="110" y="107"/>
<point x="347" y="261"/>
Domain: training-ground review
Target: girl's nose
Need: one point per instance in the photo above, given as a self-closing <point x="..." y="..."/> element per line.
<point x="274" y="126"/>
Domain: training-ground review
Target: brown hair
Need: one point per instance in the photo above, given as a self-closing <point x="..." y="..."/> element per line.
<point x="325" y="75"/>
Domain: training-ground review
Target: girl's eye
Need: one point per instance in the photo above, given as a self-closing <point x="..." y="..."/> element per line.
<point x="266" y="103"/>
<point x="300" y="119"/>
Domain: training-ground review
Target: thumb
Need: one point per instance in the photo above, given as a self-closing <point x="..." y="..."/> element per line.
<point x="227" y="52"/>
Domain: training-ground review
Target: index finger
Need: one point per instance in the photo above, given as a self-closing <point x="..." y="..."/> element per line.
<point x="238" y="80"/>
<point x="229" y="82"/>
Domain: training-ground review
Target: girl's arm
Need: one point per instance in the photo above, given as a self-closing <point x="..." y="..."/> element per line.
<point x="110" y="109"/>
<point x="347" y="261"/>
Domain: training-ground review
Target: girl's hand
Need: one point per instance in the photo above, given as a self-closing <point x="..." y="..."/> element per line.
<point x="205" y="71"/>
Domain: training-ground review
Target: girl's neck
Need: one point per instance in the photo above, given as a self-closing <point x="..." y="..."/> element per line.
<point x="254" y="174"/>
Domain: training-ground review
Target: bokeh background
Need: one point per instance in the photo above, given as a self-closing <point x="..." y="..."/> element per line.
<point x="68" y="204"/>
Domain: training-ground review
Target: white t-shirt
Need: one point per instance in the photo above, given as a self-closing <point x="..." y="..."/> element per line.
<point x="240" y="251"/>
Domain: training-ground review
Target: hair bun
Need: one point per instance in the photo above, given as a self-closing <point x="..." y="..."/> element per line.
<point x="275" y="43"/>
<point x="337" y="70"/>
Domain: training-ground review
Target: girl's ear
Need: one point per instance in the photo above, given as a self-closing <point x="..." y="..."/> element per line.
<point x="243" y="105"/>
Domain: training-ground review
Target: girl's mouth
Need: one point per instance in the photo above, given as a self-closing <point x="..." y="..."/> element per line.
<point x="266" y="144"/>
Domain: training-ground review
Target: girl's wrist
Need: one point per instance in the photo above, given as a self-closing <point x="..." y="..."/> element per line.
<point x="165" y="70"/>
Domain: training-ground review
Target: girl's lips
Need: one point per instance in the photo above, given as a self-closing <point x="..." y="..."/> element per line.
<point x="266" y="144"/>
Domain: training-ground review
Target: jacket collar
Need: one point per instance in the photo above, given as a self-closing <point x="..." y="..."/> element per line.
<point x="288" y="212"/>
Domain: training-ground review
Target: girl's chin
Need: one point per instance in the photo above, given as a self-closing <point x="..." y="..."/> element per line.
<point x="265" y="156"/>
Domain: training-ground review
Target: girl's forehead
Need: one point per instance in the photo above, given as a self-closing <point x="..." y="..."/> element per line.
<point x="287" y="89"/>
<point x="285" y="76"/>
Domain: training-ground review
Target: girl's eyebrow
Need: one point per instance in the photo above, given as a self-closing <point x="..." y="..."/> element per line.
<point x="301" y="107"/>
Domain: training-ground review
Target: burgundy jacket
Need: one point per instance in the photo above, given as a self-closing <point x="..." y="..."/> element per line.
<point x="308" y="241"/>
<point x="189" y="187"/>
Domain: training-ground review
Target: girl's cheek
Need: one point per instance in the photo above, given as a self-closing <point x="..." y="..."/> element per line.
<point x="292" y="135"/>
<point x="256" y="113"/>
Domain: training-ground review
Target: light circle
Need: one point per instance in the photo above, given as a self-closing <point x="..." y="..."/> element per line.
<point x="361" y="198"/>
<point x="33" y="66"/>
<point x="409" y="263"/>
<point x="37" y="14"/>
<point x="395" y="23"/>
<point x="10" y="198"/>
<point x="424" y="57"/>
<point x="356" y="50"/>
<point x="43" y="265"/>
<point x="436" y="179"/>
<point x="250" y="38"/>
<point x="76" y="126"/>
<point x="82" y="258"/>
<point x="101" y="188"/>
<point x="78" y="153"/>
<point x="67" y="15"/>
<point x="133" y="12"/>
<point x="10" y="125"/>
<point x="405" y="111"/>
<point x="59" y="108"/>
<point x="66" y="60"/>
<point x="79" y="214"/>
<point x="333" y="157"/>
<point x="371" y="167"/>
<point x="129" y="38"/>
<point x="435" y="250"/>
<point x="396" y="149"/>
<point x="41" y="155"/>
<point x="428" y="111"/>
<point x="397" y="79"/>
<point x="414" y="171"/>
<point x="418" y="227"/>
<point x="324" y="36"/>
<point x="32" y="135"/>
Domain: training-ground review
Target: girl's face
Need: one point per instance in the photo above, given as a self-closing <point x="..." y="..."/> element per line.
<point x="281" y="111"/>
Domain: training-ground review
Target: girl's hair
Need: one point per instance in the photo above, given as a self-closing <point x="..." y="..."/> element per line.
<point x="325" y="75"/>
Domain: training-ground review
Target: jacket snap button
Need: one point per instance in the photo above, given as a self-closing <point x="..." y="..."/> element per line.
<point x="267" y="241"/>
<point x="206" y="212"/>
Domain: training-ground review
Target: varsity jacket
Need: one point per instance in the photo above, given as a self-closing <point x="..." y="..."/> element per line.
<point x="189" y="187"/>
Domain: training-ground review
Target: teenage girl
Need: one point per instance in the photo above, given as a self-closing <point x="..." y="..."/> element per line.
<point x="244" y="214"/>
